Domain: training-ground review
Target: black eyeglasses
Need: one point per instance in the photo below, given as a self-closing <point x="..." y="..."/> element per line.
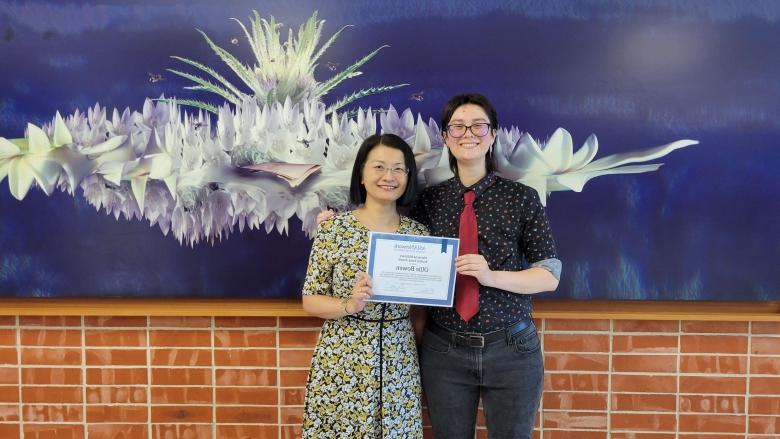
<point x="459" y="130"/>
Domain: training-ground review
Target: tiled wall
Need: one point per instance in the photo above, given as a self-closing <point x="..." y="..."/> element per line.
<point x="204" y="377"/>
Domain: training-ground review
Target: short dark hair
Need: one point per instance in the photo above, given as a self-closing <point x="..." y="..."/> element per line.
<point x="484" y="103"/>
<point x="357" y="192"/>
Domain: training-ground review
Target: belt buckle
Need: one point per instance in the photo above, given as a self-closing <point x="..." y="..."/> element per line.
<point x="475" y="341"/>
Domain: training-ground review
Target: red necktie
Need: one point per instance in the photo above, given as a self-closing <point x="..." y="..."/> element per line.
<point x="467" y="287"/>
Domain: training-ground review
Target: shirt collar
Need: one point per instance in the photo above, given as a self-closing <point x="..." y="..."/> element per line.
<point x="478" y="187"/>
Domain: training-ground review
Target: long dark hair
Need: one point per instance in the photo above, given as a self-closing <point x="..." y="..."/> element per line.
<point x="449" y="110"/>
<point x="357" y="192"/>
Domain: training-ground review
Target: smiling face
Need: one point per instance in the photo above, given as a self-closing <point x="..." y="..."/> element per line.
<point x="384" y="175"/>
<point x="469" y="150"/>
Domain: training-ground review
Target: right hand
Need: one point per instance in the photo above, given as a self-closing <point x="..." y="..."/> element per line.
<point x="361" y="292"/>
<point x="325" y="215"/>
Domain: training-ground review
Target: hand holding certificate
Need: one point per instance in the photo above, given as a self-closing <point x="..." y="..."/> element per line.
<point x="412" y="269"/>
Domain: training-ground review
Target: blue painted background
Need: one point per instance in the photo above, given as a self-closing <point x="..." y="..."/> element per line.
<point x="636" y="73"/>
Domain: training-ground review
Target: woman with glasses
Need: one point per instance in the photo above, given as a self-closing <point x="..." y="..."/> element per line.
<point x="486" y="345"/>
<point x="364" y="380"/>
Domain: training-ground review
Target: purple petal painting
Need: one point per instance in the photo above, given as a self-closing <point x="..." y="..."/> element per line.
<point x="184" y="149"/>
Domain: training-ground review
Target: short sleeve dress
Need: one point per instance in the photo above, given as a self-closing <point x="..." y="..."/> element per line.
<point x="364" y="380"/>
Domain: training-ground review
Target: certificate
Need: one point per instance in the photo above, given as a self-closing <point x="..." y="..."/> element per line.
<point x="412" y="269"/>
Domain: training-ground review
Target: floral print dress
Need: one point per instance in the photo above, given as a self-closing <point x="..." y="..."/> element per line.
<point x="364" y="380"/>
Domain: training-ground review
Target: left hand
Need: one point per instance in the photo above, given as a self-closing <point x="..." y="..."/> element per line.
<point x="474" y="265"/>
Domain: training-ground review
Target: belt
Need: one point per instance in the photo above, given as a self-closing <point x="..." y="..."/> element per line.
<point x="475" y="339"/>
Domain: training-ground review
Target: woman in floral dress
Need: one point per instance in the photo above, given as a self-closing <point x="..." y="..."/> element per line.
<point x="364" y="380"/>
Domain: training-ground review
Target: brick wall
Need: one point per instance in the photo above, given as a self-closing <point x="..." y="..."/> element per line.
<point x="243" y="377"/>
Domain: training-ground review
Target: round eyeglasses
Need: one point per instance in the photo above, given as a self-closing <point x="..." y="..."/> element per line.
<point x="459" y="130"/>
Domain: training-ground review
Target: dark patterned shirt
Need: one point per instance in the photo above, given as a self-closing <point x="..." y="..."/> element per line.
<point x="513" y="232"/>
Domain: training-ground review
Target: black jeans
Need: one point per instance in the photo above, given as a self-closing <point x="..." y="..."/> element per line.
<point x="507" y="373"/>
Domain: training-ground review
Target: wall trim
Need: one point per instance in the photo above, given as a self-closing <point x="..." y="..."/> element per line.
<point x="546" y="309"/>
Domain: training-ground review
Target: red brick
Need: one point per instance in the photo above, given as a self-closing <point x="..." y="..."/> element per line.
<point x="295" y="357"/>
<point x="247" y="415"/>
<point x="293" y="378"/>
<point x="179" y="338"/>
<point x="575" y="420"/>
<point x="9" y="356"/>
<point x="181" y="431"/>
<point x="643" y="421"/>
<point x="97" y="414"/>
<point x="769" y="328"/>
<point x="717" y="364"/>
<point x="245" y="322"/>
<point x="247" y="395"/>
<point x="719" y="423"/>
<point x="115" y="321"/>
<point x="711" y="436"/>
<point x="764" y="405"/>
<point x="181" y="395"/>
<point x="765" y="365"/>
<point x="245" y="357"/>
<point x="644" y="383"/>
<point x="115" y="337"/>
<point x="646" y="326"/>
<point x="301" y="322"/>
<point x="248" y="432"/>
<point x="713" y="385"/>
<point x="246" y="377"/>
<point x="51" y="356"/>
<point x="712" y="404"/>
<point x="644" y="363"/>
<point x="765" y="385"/>
<point x="765" y="345"/>
<point x="116" y="395"/>
<point x="764" y="425"/>
<point x="49" y="321"/>
<point x="52" y="413"/>
<point x="577" y="362"/>
<point x="115" y="357"/>
<point x="574" y="401"/>
<point x="291" y="415"/>
<point x="10" y="431"/>
<point x="9" y="375"/>
<point x="7" y="337"/>
<point x="181" y="413"/>
<point x="49" y="375"/>
<point x="715" y="344"/>
<point x="244" y="339"/>
<point x="294" y="432"/>
<point x="181" y="357"/>
<point x="117" y="431"/>
<point x="53" y="431"/>
<point x="298" y="339"/>
<point x="576" y="343"/>
<point x="181" y="376"/>
<point x="644" y="343"/>
<point x="10" y="412"/>
<point x="9" y="394"/>
<point x="180" y="322"/>
<point x="7" y="321"/>
<point x="705" y="327"/>
<point x="572" y="382"/>
<point x="112" y="377"/>
<point x="574" y="434"/>
<point x="641" y="435"/>
<point x="51" y="395"/>
<point x="576" y="325"/>
<point x="50" y="337"/>
<point x="291" y="396"/>
<point x="648" y="402"/>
